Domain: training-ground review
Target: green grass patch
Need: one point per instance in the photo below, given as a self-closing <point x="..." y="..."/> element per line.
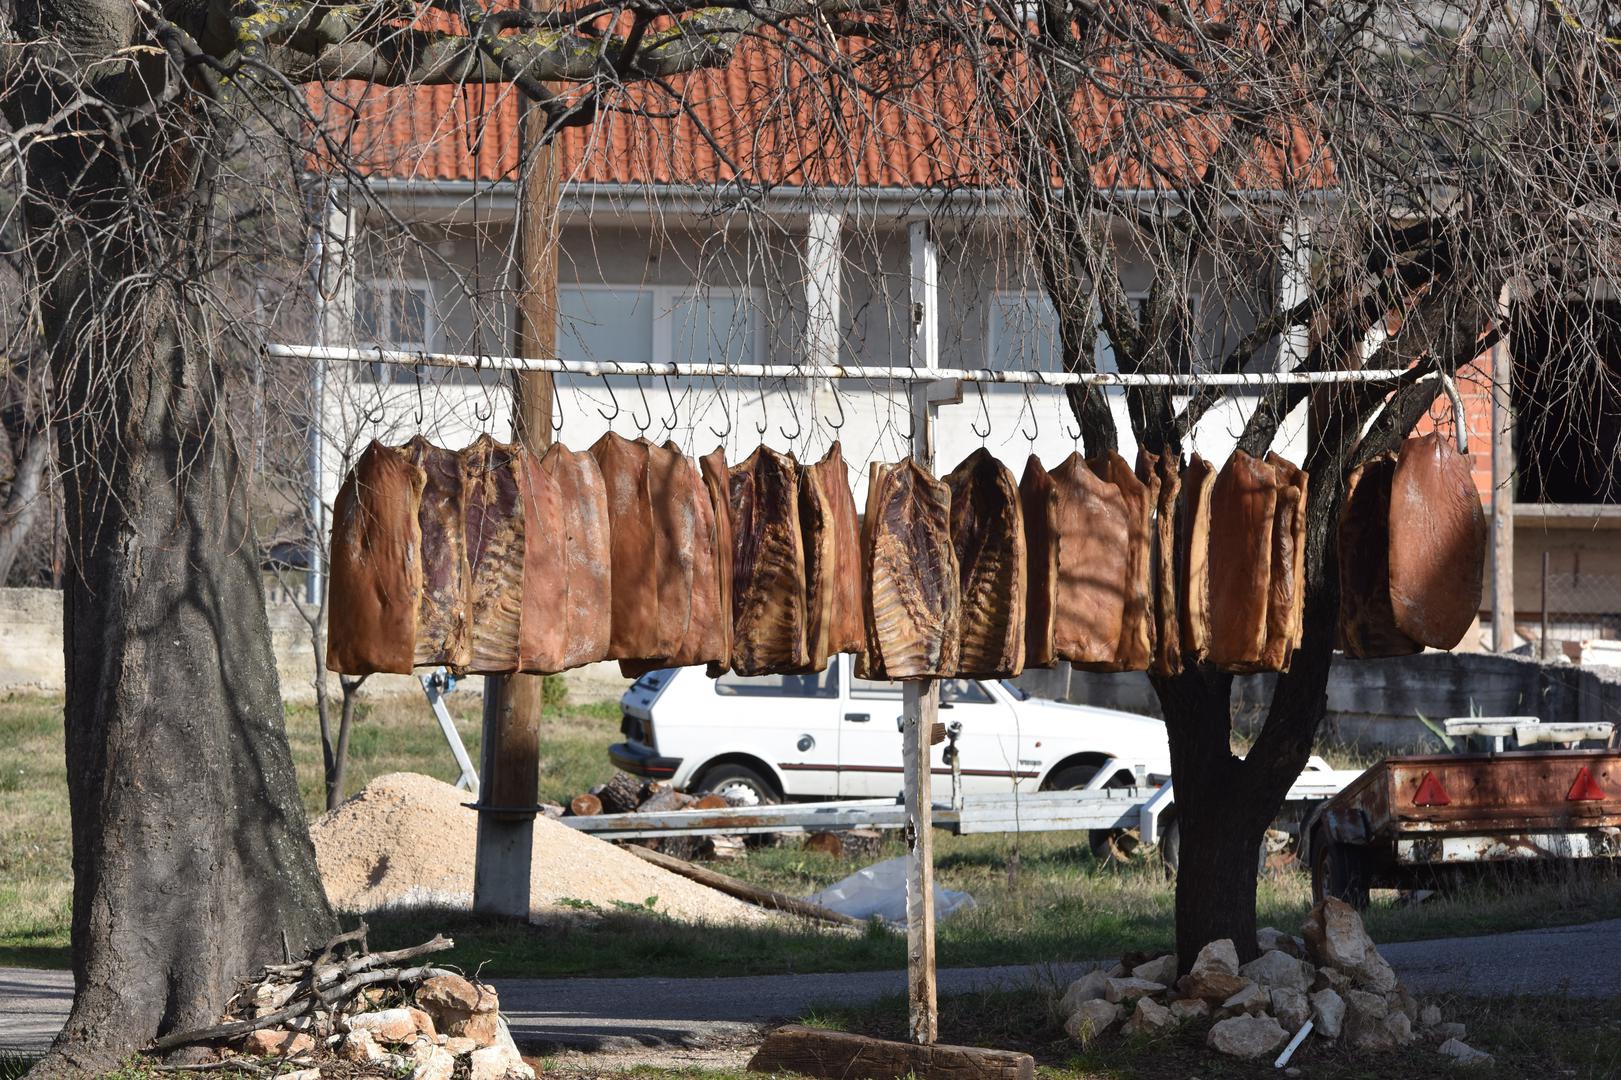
<point x="1041" y="897"/>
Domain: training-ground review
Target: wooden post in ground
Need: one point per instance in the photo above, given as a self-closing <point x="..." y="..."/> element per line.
<point x="510" y="753"/>
<point x="921" y="697"/>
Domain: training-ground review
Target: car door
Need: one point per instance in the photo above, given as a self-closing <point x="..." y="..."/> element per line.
<point x="792" y="721"/>
<point x="870" y="763"/>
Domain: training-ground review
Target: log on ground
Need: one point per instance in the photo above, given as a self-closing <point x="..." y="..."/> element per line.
<point x="837" y="1054"/>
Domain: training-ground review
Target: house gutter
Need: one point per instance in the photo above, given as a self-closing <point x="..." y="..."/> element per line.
<point x="457" y="200"/>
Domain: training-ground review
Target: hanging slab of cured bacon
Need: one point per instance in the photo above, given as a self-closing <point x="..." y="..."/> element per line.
<point x="1193" y="559"/>
<point x="1367" y="626"/>
<point x="1285" y="575"/>
<point x="1093" y="540"/>
<point x="493" y="528"/>
<point x="848" y="632"/>
<point x="816" y="540"/>
<point x="1038" y="508"/>
<point x="717" y="482"/>
<point x="1243" y="510"/>
<point x="585" y="611"/>
<point x="543" y="642"/>
<point x="1137" y="623"/>
<point x="635" y="629"/>
<point x="831" y="540"/>
<point x="674" y="497"/>
<point x="443" y="636"/>
<point x="913" y="595"/>
<point x="768" y="566"/>
<point x="987" y="537"/>
<point x="1286" y="594"/>
<point x="1437" y="543"/>
<point x="376" y="568"/>
<point x="1167" y="484"/>
<point x="705" y="639"/>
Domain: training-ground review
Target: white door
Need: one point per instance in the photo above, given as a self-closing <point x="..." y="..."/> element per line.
<point x="792" y="721"/>
<point x="870" y="740"/>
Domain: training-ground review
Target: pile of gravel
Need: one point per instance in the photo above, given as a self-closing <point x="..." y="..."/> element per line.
<point x="408" y="840"/>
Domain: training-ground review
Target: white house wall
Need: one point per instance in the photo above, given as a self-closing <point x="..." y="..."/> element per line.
<point x="798" y="418"/>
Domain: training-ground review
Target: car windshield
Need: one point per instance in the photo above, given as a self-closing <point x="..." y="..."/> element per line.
<point x="1017" y="692"/>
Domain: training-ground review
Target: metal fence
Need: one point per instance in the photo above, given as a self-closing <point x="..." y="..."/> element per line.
<point x="1575" y="607"/>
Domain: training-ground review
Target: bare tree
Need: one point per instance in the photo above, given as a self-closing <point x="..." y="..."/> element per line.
<point x="1438" y="153"/>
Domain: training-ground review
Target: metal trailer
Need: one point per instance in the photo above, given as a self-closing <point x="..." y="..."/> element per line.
<point x="1416" y="822"/>
<point x="1148" y="810"/>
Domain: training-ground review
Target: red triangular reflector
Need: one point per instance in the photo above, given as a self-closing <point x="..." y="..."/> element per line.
<point x="1585" y="789"/>
<point x="1430" y="792"/>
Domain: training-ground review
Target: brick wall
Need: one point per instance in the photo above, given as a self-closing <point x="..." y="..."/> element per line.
<point x="1475" y="388"/>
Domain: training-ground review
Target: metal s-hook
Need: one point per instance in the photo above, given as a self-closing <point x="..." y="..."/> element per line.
<point x="613" y="397"/>
<point x="416" y="372"/>
<point x="484" y="417"/>
<point x="669" y="425"/>
<point x="984" y="410"/>
<point x="1030" y="406"/>
<point x="833" y="384"/>
<point x="557" y="408"/>
<point x="720" y="396"/>
<point x="765" y="417"/>
<point x="799" y="425"/>
<point x="641" y="427"/>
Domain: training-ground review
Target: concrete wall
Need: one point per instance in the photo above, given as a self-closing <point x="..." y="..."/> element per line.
<point x="1376" y="703"/>
<point x="31" y="655"/>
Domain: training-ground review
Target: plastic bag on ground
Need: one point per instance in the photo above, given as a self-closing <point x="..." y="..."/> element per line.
<point x="880" y="889"/>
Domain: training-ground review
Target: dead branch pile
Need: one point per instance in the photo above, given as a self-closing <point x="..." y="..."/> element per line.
<point x="344" y="1003"/>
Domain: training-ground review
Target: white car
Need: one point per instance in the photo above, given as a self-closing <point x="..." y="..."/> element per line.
<point x="829" y="735"/>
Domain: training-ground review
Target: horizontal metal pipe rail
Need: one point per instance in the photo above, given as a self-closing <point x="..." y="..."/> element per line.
<point x="603" y="368"/>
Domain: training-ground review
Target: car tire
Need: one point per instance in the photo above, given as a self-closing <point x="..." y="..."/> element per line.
<point x="739" y="783"/>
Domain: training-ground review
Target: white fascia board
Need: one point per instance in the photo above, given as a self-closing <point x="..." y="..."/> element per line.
<point x="490" y="201"/>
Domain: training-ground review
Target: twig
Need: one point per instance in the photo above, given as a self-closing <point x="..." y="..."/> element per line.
<point x="242" y="1027"/>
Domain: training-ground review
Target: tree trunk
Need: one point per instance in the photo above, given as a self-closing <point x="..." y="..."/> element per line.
<point x="192" y="862"/>
<point x="1224" y="804"/>
<point x="24" y="501"/>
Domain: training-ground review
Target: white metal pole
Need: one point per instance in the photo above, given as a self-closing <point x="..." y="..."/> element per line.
<point x="334" y="309"/>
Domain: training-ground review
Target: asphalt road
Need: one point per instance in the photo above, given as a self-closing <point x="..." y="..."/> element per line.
<point x="619" y="1014"/>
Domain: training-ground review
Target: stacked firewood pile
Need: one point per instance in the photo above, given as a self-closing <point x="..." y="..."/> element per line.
<point x="625" y="794"/>
<point x="345" y="1006"/>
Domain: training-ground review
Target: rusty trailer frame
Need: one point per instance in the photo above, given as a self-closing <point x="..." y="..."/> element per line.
<point x="1406" y="817"/>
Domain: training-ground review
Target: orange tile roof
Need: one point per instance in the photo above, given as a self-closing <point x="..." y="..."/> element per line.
<point x="769" y="118"/>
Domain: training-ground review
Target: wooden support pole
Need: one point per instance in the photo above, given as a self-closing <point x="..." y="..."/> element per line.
<point x="510" y="752"/>
<point x="921" y="698"/>
<point x="921" y="705"/>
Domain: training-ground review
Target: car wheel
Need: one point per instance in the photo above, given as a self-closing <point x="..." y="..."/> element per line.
<point x="1339" y="870"/>
<point x="740" y="785"/>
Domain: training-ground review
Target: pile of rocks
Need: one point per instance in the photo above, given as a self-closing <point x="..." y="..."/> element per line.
<point x="445" y="1025"/>
<point x="1332" y="978"/>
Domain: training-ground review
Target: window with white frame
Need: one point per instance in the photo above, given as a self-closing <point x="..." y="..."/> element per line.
<point x="659" y="324"/>
<point x="1022" y="334"/>
<point x="393" y="313"/>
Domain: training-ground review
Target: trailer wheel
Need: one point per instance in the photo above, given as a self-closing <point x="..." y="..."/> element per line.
<point x="1339" y="870"/>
